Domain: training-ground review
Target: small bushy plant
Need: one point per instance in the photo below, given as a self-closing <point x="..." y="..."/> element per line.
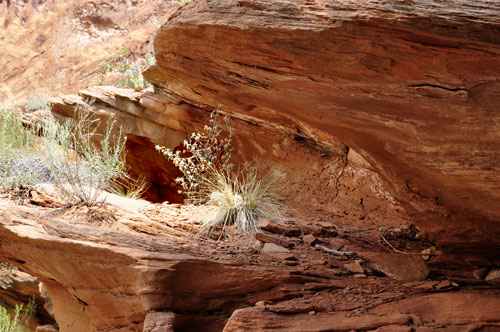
<point x="201" y="152"/>
<point x="129" y="73"/>
<point x="20" y="163"/>
<point x="83" y="170"/>
<point x="20" y="321"/>
<point x="239" y="198"/>
<point x="37" y="103"/>
<point x="82" y="164"/>
<point x="181" y="3"/>
<point x="232" y="197"/>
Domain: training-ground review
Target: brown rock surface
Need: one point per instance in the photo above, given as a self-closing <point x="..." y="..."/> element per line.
<point x="399" y="266"/>
<point x="410" y="86"/>
<point x="378" y="113"/>
<point x="136" y="266"/>
<point x="45" y="46"/>
<point x="17" y="287"/>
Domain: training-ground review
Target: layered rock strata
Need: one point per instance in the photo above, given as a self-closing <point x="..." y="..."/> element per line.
<point x="409" y="85"/>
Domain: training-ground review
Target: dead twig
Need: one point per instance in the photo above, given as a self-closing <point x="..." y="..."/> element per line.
<point x="392" y="247"/>
<point x="335" y="252"/>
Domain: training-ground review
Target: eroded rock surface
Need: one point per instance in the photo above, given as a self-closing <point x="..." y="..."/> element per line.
<point x="331" y="179"/>
<point x="54" y="47"/>
<point x="137" y="266"/>
<point x="410" y="86"/>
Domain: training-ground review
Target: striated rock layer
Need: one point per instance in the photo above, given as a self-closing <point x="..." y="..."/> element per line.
<point x="409" y="85"/>
<point x="329" y="179"/>
<point x="135" y="266"/>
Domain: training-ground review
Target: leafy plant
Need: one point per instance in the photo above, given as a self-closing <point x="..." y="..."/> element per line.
<point x="20" y="321"/>
<point x="129" y="73"/>
<point x="201" y="152"/>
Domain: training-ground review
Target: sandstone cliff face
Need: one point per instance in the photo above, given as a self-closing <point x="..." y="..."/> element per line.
<point x="326" y="181"/>
<point x="409" y="85"/>
<point x="46" y="45"/>
<point x="379" y="113"/>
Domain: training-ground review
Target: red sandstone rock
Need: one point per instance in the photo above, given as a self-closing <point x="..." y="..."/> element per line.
<point x="256" y="319"/>
<point x="402" y="267"/>
<point x="159" y="322"/>
<point x="354" y="267"/>
<point x="276" y="252"/>
<point x="409" y="86"/>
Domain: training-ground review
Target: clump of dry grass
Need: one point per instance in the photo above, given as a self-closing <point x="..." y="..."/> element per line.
<point x="238" y="198"/>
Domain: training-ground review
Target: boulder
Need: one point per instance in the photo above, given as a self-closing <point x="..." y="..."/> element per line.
<point x="398" y="266"/>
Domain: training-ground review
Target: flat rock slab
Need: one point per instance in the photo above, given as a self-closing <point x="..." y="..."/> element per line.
<point x="402" y="267"/>
<point x="494" y="274"/>
<point x="257" y="319"/>
<point x="275" y="252"/>
<point x="354" y="267"/>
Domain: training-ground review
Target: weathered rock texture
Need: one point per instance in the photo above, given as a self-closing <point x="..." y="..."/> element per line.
<point x="18" y="287"/>
<point x="330" y="179"/>
<point x="411" y="86"/>
<point x="136" y="266"/>
<point x="47" y="45"/>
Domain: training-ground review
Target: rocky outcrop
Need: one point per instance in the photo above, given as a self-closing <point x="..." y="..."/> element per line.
<point x="18" y="287"/>
<point x="54" y="47"/>
<point x="136" y="266"/>
<point x="410" y="86"/>
<point x="330" y="179"/>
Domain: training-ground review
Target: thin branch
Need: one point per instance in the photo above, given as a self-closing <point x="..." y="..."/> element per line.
<point x="335" y="252"/>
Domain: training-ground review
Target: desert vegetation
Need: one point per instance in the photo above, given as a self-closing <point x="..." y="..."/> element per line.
<point x="82" y="164"/>
<point x="233" y="195"/>
<point x="18" y="322"/>
<point x="121" y="71"/>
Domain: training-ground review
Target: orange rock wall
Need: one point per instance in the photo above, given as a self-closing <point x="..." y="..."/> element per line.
<point x="409" y="85"/>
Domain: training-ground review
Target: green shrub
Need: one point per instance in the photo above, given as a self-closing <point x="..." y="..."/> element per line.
<point x="37" y="103"/>
<point x="20" y="163"/>
<point x="20" y="321"/>
<point x="181" y="3"/>
<point x="82" y="164"/>
<point x="129" y="73"/>
<point x="83" y="170"/>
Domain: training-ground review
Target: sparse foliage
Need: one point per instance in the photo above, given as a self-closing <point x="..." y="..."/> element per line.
<point x="81" y="163"/>
<point x="37" y="103"/>
<point x="20" y="321"/>
<point x="83" y="169"/>
<point x="232" y="197"/>
<point x="181" y="3"/>
<point x="239" y="198"/>
<point x="129" y="73"/>
<point x="20" y="163"/>
<point x="202" y="152"/>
